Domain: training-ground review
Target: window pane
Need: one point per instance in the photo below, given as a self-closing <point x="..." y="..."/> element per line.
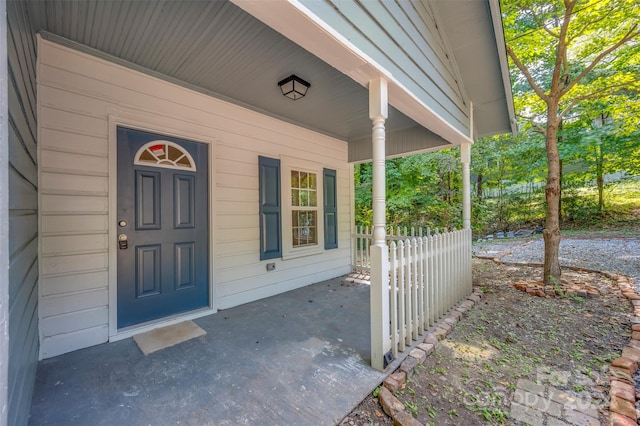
<point x="304" y="180"/>
<point x="312" y="199"/>
<point x="184" y="161"/>
<point x="309" y="217"/>
<point x="173" y="153"/>
<point x="312" y="180"/>
<point x="146" y="156"/>
<point x="304" y="228"/>
<point x="295" y="182"/>
<point x="304" y="198"/>
<point x="295" y="196"/>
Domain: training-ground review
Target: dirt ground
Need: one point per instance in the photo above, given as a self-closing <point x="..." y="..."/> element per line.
<point x="565" y="341"/>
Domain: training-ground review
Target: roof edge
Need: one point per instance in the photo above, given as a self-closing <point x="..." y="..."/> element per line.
<point x="496" y="17"/>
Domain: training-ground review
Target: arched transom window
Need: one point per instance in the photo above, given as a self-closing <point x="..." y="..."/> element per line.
<point x="166" y="154"/>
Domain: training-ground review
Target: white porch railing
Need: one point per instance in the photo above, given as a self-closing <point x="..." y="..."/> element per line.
<point x="428" y="275"/>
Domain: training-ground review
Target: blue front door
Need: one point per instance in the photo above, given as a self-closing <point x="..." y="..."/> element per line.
<point x="163" y="231"/>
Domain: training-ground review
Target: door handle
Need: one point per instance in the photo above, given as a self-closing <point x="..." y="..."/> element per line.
<point x="123" y="242"/>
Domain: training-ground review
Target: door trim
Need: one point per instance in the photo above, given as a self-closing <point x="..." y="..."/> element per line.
<point x="171" y="127"/>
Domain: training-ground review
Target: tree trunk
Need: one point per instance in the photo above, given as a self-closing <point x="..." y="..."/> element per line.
<point x="560" y="193"/>
<point x="559" y="139"/>
<point x="600" y="178"/>
<point x="551" y="232"/>
<point x="479" y="188"/>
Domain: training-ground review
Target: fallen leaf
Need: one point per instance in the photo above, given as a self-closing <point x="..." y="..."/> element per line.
<point x="379" y="414"/>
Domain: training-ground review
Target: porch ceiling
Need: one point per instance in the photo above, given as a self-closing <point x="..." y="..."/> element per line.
<point x="217" y="48"/>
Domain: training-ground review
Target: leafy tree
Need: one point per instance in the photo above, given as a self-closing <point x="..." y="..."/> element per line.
<point x="600" y="140"/>
<point x="567" y="52"/>
<point x="422" y="190"/>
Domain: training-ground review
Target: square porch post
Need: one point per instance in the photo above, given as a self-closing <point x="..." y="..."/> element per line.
<point x="379" y="296"/>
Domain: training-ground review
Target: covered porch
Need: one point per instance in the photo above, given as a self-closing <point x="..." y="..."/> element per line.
<point x="301" y="357"/>
<point x="387" y="79"/>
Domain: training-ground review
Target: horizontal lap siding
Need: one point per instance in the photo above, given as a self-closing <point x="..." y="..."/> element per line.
<point x="403" y="38"/>
<point x="74" y="220"/>
<point x="239" y="270"/>
<point x="23" y="218"/>
<point x="78" y="92"/>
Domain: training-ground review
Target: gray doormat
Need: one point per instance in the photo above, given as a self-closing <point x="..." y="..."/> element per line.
<point x="165" y="337"/>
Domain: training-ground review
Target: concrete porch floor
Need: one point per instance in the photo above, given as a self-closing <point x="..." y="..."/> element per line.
<point x="300" y="358"/>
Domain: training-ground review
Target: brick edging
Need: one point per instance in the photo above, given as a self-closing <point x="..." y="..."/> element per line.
<point x="394" y="381"/>
<point x="622" y="393"/>
<point x="622" y="406"/>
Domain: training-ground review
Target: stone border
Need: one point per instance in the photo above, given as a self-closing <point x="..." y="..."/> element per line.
<point x="417" y="356"/>
<point x="536" y="288"/>
<point x="622" y="405"/>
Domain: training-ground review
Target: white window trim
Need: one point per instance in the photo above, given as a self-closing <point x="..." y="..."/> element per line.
<point x="144" y="147"/>
<point x="287" y="164"/>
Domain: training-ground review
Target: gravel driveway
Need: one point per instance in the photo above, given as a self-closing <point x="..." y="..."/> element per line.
<point x="621" y="255"/>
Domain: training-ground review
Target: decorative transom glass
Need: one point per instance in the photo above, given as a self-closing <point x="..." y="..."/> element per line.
<point x="166" y="154"/>
<point x="304" y="205"/>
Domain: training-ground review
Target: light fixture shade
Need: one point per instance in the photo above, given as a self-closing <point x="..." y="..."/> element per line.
<point x="293" y="87"/>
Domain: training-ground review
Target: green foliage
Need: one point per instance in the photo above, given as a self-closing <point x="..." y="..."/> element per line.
<point x="422" y="190"/>
<point x="533" y="31"/>
<point x="591" y="72"/>
<point x="512" y="191"/>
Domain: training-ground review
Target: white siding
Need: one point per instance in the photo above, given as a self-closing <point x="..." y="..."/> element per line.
<point x="77" y="95"/>
<point x="405" y="38"/>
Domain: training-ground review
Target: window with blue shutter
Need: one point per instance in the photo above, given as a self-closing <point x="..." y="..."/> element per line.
<point x="330" y="209"/>
<point x="270" y="208"/>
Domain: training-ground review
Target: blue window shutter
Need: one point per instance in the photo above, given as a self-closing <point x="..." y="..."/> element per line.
<point x="330" y="209"/>
<point x="270" y="208"/>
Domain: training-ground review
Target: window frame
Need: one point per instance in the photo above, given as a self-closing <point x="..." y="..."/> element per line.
<point x="289" y="164"/>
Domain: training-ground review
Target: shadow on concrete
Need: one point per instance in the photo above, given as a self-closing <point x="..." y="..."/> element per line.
<point x="301" y="358"/>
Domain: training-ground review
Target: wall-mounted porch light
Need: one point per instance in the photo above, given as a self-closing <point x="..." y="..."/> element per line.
<point x="293" y="87"/>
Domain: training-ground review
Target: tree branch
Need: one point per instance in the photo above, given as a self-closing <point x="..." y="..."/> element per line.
<point x="605" y="91"/>
<point x="527" y="74"/>
<point x="561" y="52"/>
<point x="541" y="24"/>
<point x="586" y="25"/>
<point x="538" y="128"/>
<point x="632" y="33"/>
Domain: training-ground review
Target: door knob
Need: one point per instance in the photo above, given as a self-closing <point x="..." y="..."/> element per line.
<point x="123" y="243"/>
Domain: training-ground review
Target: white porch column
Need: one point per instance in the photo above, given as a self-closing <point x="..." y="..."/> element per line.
<point x="379" y="297"/>
<point x="465" y="158"/>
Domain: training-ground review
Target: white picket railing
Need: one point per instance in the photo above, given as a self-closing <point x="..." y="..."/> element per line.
<point x="362" y="239"/>
<point x="428" y="275"/>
